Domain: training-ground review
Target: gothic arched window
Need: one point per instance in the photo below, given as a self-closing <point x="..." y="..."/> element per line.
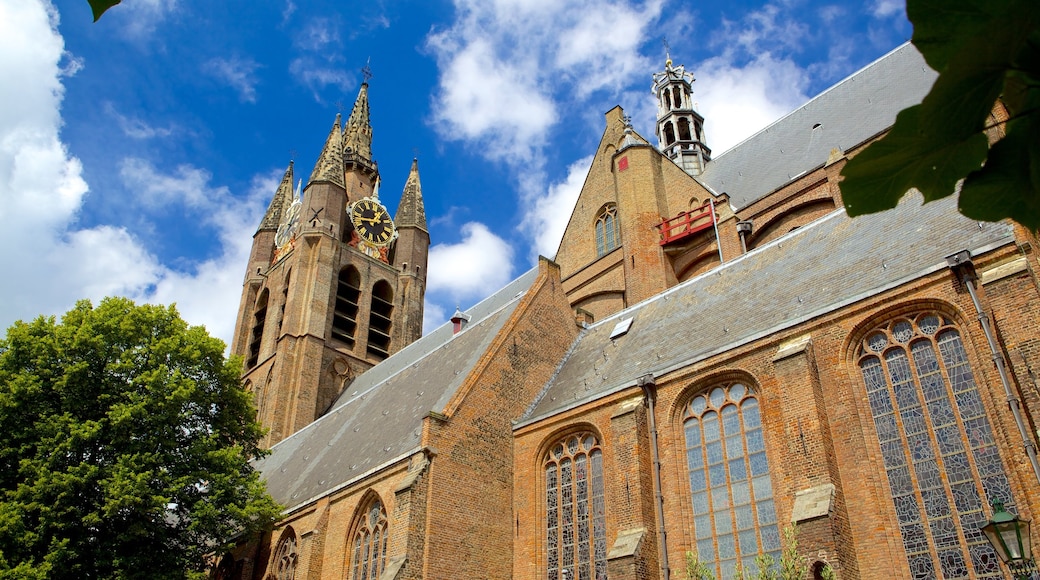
<point x="576" y="535"/>
<point x="257" y="336"/>
<point x="285" y="556"/>
<point x="684" y="129"/>
<point x="937" y="445"/>
<point x="344" y="315"/>
<point x="669" y="133"/>
<point x="368" y="548"/>
<point x="380" y="319"/>
<point x="732" y="494"/>
<point x="607" y="235"/>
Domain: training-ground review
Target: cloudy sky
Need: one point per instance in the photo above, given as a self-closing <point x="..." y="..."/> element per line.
<point x="137" y="154"/>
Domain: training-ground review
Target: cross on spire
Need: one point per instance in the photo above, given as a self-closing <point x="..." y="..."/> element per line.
<point x="366" y="71"/>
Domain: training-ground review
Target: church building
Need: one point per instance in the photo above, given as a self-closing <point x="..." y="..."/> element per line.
<point x="717" y="363"/>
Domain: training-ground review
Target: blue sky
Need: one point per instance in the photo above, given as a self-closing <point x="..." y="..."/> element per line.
<point x="137" y="154"/>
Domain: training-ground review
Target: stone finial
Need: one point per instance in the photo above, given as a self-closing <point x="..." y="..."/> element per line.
<point x="410" y="211"/>
<point x="329" y="167"/>
<point x="283" y="198"/>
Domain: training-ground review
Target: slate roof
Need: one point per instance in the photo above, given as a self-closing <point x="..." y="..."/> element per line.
<point x="847" y="114"/>
<point x="813" y="270"/>
<point x="377" y="421"/>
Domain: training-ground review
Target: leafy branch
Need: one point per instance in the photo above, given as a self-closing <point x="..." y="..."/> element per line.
<point x="984" y="50"/>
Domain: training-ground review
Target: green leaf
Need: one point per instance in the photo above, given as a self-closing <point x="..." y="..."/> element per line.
<point x="1008" y="186"/>
<point x="100" y="6"/>
<point x="906" y="158"/>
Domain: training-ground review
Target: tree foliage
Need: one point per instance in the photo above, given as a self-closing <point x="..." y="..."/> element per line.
<point x="125" y="446"/>
<point x="98" y="7"/>
<point x="982" y="49"/>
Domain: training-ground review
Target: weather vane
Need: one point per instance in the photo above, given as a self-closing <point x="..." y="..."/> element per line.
<point x="667" y="49"/>
<point x="366" y="71"/>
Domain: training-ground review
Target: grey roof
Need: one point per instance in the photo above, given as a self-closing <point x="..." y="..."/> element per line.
<point x="843" y="116"/>
<point x="813" y="270"/>
<point x="378" y="419"/>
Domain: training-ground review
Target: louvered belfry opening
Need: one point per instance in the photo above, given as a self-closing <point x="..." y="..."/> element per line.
<point x="259" y="316"/>
<point x="344" y="317"/>
<point x="379" y="320"/>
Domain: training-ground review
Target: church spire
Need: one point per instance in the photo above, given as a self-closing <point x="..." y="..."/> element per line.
<point x="410" y="211"/>
<point x="680" y="129"/>
<point x="283" y="198"/>
<point x="329" y="167"/>
<point x="357" y="134"/>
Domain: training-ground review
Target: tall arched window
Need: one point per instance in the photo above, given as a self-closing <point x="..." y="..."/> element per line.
<point x="936" y="443"/>
<point x="344" y="316"/>
<point x="285" y="556"/>
<point x="576" y="535"/>
<point x="255" y="339"/>
<point x="380" y="319"/>
<point x="368" y="549"/>
<point x="607" y="235"/>
<point x="732" y="494"/>
<point x="684" y="129"/>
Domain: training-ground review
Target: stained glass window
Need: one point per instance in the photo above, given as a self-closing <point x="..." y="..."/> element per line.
<point x="368" y="552"/>
<point x="732" y="494"/>
<point x="576" y="534"/>
<point x="937" y="445"/>
<point x="285" y="556"/>
<point x="607" y="235"/>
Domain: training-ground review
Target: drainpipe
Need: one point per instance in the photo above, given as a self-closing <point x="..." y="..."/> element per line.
<point x="715" y="224"/>
<point x="963" y="268"/>
<point x="650" y="390"/>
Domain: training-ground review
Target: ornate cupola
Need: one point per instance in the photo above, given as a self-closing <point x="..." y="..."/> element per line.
<point x="680" y="129"/>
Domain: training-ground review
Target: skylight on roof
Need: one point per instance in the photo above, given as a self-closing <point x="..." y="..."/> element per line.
<point x="621" y="328"/>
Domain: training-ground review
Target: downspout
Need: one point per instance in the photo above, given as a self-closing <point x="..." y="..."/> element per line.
<point x="650" y="390"/>
<point x="715" y="223"/>
<point x="962" y="266"/>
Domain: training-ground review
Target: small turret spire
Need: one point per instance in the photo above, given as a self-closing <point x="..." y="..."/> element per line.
<point x="329" y="167"/>
<point x="283" y="198"/>
<point x="410" y="211"/>
<point x="357" y="134"/>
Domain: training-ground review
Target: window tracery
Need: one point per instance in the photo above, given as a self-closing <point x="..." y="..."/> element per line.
<point x="936" y="443"/>
<point x="369" y="545"/>
<point x="607" y="235"/>
<point x="731" y="489"/>
<point x="576" y="536"/>
<point x="285" y="556"/>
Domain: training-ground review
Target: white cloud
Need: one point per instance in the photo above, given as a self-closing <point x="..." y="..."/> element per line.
<point x="473" y="268"/>
<point x="317" y="75"/>
<point x="140" y="18"/>
<point x="135" y="127"/>
<point x="49" y="260"/>
<point x="739" y="100"/>
<point x="887" y="8"/>
<point x="507" y="67"/>
<point x="548" y="215"/>
<point x="237" y="72"/>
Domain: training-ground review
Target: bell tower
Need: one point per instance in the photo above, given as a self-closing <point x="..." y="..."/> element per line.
<point x="680" y="129"/>
<point x="334" y="284"/>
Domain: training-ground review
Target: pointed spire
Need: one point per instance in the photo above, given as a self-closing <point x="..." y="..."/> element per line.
<point x="357" y="134"/>
<point x="329" y="167"/>
<point x="283" y="198"/>
<point x="410" y="212"/>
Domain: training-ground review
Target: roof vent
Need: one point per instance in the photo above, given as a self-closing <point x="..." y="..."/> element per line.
<point x="459" y="320"/>
<point x="621" y="328"/>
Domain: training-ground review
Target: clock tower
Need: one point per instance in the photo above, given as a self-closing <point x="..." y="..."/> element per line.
<point x="334" y="284"/>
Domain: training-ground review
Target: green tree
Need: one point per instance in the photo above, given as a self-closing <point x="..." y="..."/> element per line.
<point x="697" y="570"/>
<point x="983" y="50"/>
<point x="125" y="446"/>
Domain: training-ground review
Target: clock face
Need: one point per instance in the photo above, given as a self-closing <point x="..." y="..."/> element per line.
<point x="290" y="224"/>
<point x="372" y="222"/>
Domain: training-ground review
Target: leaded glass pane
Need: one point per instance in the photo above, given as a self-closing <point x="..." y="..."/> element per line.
<point x="725" y="426"/>
<point x="370" y="540"/>
<point x="575" y="510"/>
<point x="877" y="341"/>
<point x="938" y="503"/>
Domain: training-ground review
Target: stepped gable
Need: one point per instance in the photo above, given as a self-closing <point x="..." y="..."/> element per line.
<point x="844" y="116"/>
<point x="809" y="272"/>
<point x="378" y="418"/>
